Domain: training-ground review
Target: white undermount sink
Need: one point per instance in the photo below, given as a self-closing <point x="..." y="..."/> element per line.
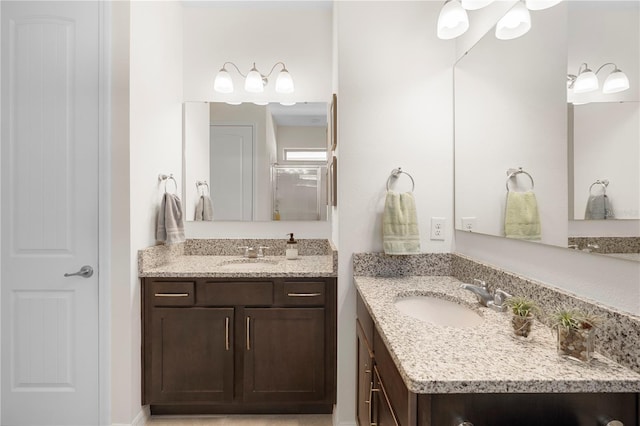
<point x="438" y="311"/>
<point x="246" y="264"/>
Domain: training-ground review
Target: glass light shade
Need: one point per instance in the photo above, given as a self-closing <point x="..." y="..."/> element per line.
<point x="586" y="82"/>
<point x="475" y="4"/>
<point x="541" y="4"/>
<point x="516" y="23"/>
<point x="452" y="21"/>
<point x="223" y="82"/>
<point x="253" y="82"/>
<point x="616" y="82"/>
<point x="284" y="82"/>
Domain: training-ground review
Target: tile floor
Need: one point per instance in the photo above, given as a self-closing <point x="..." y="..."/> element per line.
<point x="244" y="420"/>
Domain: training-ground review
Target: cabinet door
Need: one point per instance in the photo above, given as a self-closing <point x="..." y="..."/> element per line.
<point x="191" y="355"/>
<point x="383" y="412"/>
<point x="365" y="378"/>
<point x="284" y="355"/>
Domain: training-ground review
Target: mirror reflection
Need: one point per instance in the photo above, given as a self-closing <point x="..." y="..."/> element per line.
<point x="505" y="121"/>
<point x="255" y="162"/>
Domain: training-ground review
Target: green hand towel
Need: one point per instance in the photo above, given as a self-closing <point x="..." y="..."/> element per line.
<point x="521" y="219"/>
<point x="400" y="234"/>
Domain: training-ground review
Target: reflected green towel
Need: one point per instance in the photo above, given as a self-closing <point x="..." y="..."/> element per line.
<point x="521" y="219"/>
<point x="400" y="234"/>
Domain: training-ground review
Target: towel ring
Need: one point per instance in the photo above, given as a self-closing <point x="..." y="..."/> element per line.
<point x="604" y="184"/>
<point x="513" y="172"/>
<point x="395" y="173"/>
<point x="167" y="178"/>
<point x="200" y="183"/>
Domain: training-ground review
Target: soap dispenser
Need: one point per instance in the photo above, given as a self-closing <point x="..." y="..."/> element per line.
<point x="292" y="247"/>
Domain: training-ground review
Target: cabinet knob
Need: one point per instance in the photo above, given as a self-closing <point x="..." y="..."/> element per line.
<point x="612" y="423"/>
<point x="465" y="424"/>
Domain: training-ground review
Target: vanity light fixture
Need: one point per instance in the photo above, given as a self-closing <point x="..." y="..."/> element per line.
<point x="475" y="4"/>
<point x="541" y="4"/>
<point x="452" y="21"/>
<point x="515" y="23"/>
<point x="587" y="80"/>
<point x="254" y="81"/>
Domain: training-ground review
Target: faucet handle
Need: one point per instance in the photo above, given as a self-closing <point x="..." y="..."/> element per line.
<point x="499" y="297"/>
<point x="261" y="250"/>
<point x="482" y="283"/>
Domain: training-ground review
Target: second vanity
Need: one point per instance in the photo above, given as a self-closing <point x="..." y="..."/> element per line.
<point x="411" y="372"/>
<point x="227" y="334"/>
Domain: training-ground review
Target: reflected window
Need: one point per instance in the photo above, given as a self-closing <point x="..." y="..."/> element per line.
<point x="305" y="155"/>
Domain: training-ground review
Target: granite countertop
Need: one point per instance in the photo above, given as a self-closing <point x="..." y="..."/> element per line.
<point x="185" y="266"/>
<point x="486" y="358"/>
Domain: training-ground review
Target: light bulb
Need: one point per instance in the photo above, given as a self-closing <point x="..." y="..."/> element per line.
<point x="515" y="23"/>
<point x="586" y="82"/>
<point x="616" y="82"/>
<point x="253" y="82"/>
<point x="475" y="4"/>
<point x="223" y="82"/>
<point x="284" y="82"/>
<point x="452" y="21"/>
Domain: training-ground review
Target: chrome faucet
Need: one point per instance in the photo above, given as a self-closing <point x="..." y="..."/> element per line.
<point x="252" y="252"/>
<point x="481" y="291"/>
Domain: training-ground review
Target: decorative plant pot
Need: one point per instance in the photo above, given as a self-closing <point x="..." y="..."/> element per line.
<point x="576" y="344"/>
<point x="521" y="325"/>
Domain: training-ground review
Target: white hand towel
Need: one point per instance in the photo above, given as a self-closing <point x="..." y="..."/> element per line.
<point x="400" y="233"/>
<point x="170" y="225"/>
<point x="521" y="219"/>
<point x="207" y="208"/>
<point x="598" y="208"/>
<point x="199" y="209"/>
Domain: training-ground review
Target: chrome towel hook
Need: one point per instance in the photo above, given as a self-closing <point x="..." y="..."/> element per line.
<point x="395" y="173"/>
<point x="603" y="182"/>
<point x="166" y="178"/>
<point x="200" y="183"/>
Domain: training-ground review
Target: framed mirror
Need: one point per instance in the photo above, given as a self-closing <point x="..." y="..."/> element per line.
<point x="511" y="112"/>
<point x="251" y="162"/>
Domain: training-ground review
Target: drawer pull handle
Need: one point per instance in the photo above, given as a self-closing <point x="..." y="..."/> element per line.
<point x="171" y="295"/>
<point x="226" y="333"/>
<point x="304" y="294"/>
<point x="248" y="333"/>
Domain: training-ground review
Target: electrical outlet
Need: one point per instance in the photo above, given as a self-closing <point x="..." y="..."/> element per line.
<point x="469" y="224"/>
<point x="437" y="228"/>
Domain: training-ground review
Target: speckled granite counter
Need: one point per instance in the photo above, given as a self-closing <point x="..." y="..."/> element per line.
<point x="224" y="266"/>
<point x="487" y="358"/>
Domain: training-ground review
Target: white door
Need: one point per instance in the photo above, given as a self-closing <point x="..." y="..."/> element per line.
<point x="49" y="174"/>
<point x="232" y="172"/>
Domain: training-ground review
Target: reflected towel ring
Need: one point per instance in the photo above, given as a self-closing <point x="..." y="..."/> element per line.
<point x="166" y="178"/>
<point x="603" y="182"/>
<point x="395" y="173"/>
<point x="200" y="183"/>
<point x="513" y="173"/>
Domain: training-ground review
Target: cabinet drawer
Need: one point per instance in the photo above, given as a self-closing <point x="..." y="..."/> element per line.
<point x="303" y="293"/>
<point x="174" y="293"/>
<point x="235" y="293"/>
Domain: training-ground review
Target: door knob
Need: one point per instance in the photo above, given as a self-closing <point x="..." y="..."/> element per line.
<point x="85" y="272"/>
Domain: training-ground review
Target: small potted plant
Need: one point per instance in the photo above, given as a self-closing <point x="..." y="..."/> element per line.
<point x="523" y="310"/>
<point x="575" y="331"/>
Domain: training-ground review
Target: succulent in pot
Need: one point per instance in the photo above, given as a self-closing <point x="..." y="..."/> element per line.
<point x="523" y="310"/>
<point x="575" y="332"/>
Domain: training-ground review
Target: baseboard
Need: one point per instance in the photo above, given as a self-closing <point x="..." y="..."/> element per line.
<point x="140" y="420"/>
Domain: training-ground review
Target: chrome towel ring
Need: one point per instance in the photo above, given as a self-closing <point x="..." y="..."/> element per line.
<point x="603" y="182"/>
<point x="514" y="172"/>
<point x="200" y="183"/>
<point x="167" y="178"/>
<point x="395" y="173"/>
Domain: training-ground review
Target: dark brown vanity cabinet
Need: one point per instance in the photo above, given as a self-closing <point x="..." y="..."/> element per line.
<point x="239" y="346"/>
<point x="384" y="400"/>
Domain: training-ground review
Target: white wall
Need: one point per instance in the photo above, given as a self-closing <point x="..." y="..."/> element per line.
<point x="394" y="110"/>
<point x="155" y="147"/>
<point x="299" y="137"/>
<point x="217" y="32"/>
<point x="195" y="147"/>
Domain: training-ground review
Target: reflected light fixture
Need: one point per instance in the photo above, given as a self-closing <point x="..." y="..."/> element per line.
<point x="452" y="21"/>
<point x="475" y="4"/>
<point x="515" y="23"/>
<point x="587" y="80"/>
<point x="254" y="81"/>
